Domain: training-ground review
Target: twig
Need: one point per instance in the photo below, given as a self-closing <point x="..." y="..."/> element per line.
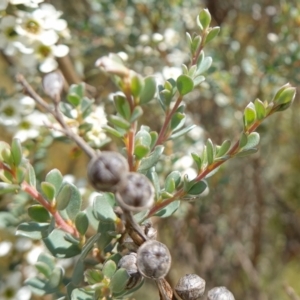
<point x="57" y="115"/>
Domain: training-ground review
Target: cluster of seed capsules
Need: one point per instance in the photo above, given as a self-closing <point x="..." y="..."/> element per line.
<point x="109" y="172"/>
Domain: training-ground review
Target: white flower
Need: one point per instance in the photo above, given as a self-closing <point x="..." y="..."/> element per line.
<point x="10" y="112"/>
<point x="12" y="288"/>
<point x="8" y="34"/>
<point x="97" y="119"/>
<point x="29" y="127"/>
<point x="43" y="24"/>
<point x="29" y="3"/>
<point x="5" y="248"/>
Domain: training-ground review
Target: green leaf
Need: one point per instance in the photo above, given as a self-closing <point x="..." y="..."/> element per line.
<point x="172" y="181"/>
<point x="119" y="122"/>
<point x="43" y="268"/>
<point x="55" y="178"/>
<point x="212" y="34"/>
<point x="16" y="151"/>
<point x="243" y="140"/>
<point x="152" y="159"/>
<point x="109" y="269"/>
<point x="35" y="231"/>
<point x="48" y="190"/>
<point x="7" y="156"/>
<point x="197" y="188"/>
<point x="154" y="137"/>
<point x="224" y="148"/>
<point x="285" y="94"/>
<point x="78" y="272"/>
<point x="37" y="285"/>
<point x="188" y="38"/>
<point x="143" y="137"/>
<point x="86" y="106"/>
<point x="252" y="141"/>
<point x="77" y="89"/>
<point x="113" y="131"/>
<point x="82" y="222"/>
<point x="168" y="210"/>
<point x="136" y="84"/>
<point x="73" y="99"/>
<point x="204" y="18"/>
<point x="3" y="145"/>
<point x="198" y="79"/>
<point x="39" y="213"/>
<point x="181" y="132"/>
<point x="155" y="180"/>
<point x="185" y="84"/>
<point x="136" y="114"/>
<point x="93" y="276"/>
<point x="195" y="44"/>
<point x="105" y="229"/>
<point x="81" y="294"/>
<point x="177" y="121"/>
<point x="249" y="115"/>
<point x="204" y="65"/>
<point x="103" y="208"/>
<point x="140" y="151"/>
<point x="247" y="152"/>
<point x="64" y="196"/>
<point x="74" y="204"/>
<point x="260" y="109"/>
<point x="119" y="281"/>
<point x="54" y="281"/>
<point x="122" y="106"/>
<point x="59" y="246"/>
<point x="8" y="188"/>
<point x="210" y="151"/>
<point x="31" y="175"/>
<point x="197" y="160"/>
<point x="47" y="259"/>
<point x="149" y="90"/>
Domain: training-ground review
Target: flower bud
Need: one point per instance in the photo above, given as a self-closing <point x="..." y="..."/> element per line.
<point x="190" y="287"/>
<point x="53" y="84"/>
<point x="153" y="259"/>
<point x="128" y="262"/>
<point x="220" y="293"/>
<point x="107" y="170"/>
<point x="136" y="192"/>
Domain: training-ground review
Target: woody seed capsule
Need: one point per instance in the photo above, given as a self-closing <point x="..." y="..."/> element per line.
<point x="220" y="293"/>
<point x="153" y="259"/>
<point x="135" y="193"/>
<point x="107" y="170"/>
<point x="190" y="287"/>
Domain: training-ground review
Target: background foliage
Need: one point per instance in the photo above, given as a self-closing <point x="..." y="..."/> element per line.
<point x="245" y="234"/>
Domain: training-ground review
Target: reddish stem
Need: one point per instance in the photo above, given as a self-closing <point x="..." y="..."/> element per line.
<point x="58" y="218"/>
<point x="162" y="134"/>
<point x="203" y="173"/>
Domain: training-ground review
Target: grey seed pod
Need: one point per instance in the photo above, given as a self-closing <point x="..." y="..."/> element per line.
<point x="190" y="287"/>
<point x="107" y="170"/>
<point x="128" y="262"/>
<point x="136" y="193"/>
<point x="220" y="293"/>
<point x="153" y="259"/>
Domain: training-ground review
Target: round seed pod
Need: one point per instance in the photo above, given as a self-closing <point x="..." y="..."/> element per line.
<point x="220" y="293"/>
<point x="128" y="262"/>
<point x="107" y="170"/>
<point x="135" y="193"/>
<point x="190" y="287"/>
<point x="153" y="259"/>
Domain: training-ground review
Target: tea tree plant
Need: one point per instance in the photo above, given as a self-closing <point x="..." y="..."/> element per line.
<point x="113" y="239"/>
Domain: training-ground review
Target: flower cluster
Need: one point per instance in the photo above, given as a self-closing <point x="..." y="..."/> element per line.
<point x="31" y="37"/>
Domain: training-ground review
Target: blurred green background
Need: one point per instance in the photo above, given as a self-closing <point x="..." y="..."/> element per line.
<point x="245" y="234"/>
